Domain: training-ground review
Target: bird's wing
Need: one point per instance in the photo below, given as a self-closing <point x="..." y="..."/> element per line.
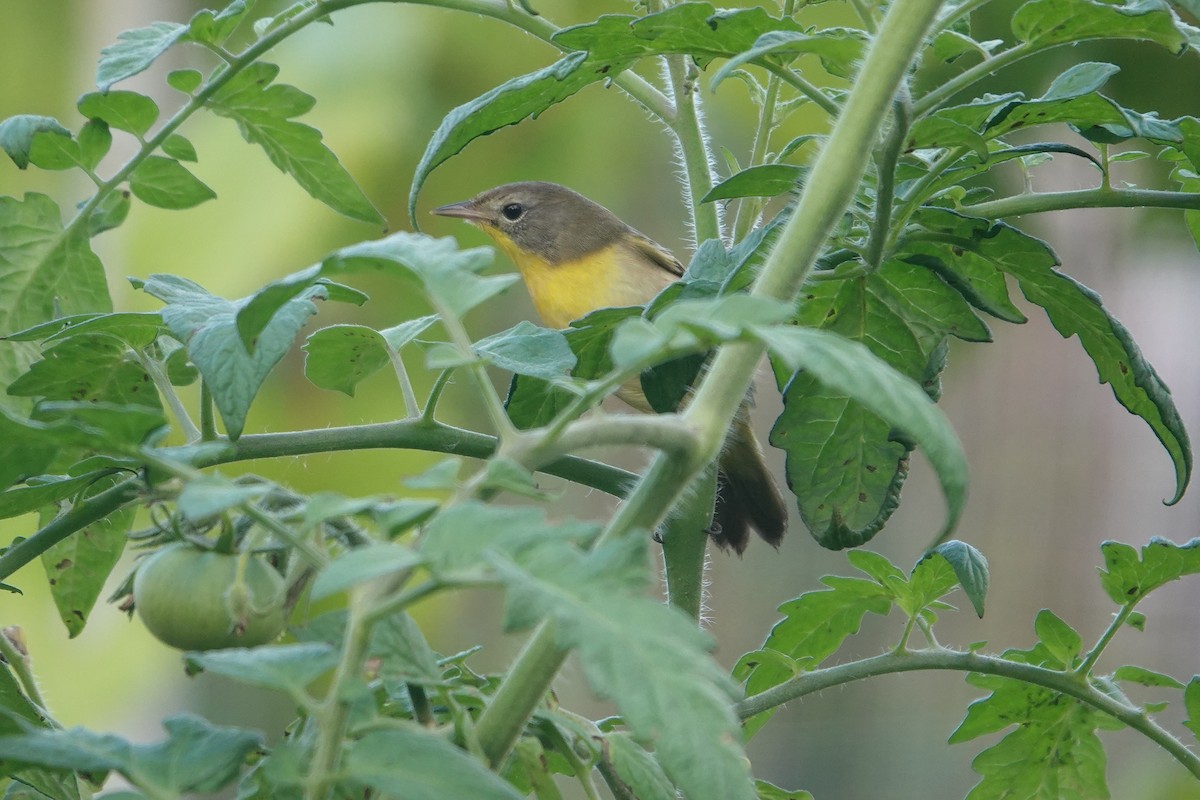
<point x="655" y="252"/>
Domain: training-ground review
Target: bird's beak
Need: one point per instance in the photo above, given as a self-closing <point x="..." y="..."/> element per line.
<point x="465" y="210"/>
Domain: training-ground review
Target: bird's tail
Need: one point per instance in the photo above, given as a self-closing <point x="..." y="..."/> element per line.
<point x="747" y="496"/>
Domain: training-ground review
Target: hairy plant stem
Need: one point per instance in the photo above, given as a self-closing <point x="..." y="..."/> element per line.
<point x="749" y="208"/>
<point x="333" y="713"/>
<point x="1102" y="197"/>
<point x="809" y="90"/>
<point x="1097" y="650"/>
<point x="1068" y="683"/>
<point x="835" y="176"/>
<point x="693" y="148"/>
<point x="886" y="157"/>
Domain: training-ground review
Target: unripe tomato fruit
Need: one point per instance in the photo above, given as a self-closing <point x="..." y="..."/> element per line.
<point x="191" y="599"/>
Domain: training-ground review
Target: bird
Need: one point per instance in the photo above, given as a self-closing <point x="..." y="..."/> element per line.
<point x="576" y="256"/>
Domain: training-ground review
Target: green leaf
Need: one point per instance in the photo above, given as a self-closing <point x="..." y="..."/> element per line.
<point x="340" y="356"/>
<point x="78" y="566"/>
<point x="416" y="764"/>
<point x="88" y="367"/>
<point x="460" y="536"/>
<point x="17" y="134"/>
<point x="970" y="568"/>
<point x="109" y="213"/>
<point x="42" y="492"/>
<point x="435" y="266"/>
<point x="135" y="50"/>
<point x="637" y="769"/>
<point x="25" y="450"/>
<point x="767" y="791"/>
<point x="813" y="627"/>
<point x="763" y="180"/>
<point x="125" y="111"/>
<point x="136" y="328"/>
<point x="1048" y="22"/>
<point x="179" y="148"/>
<point x="1076" y="310"/>
<point x="648" y="658"/>
<point x="363" y="564"/>
<point x="1060" y="639"/>
<point x="263" y="112"/>
<point x="196" y="756"/>
<point x="284" y="667"/>
<point x="165" y="183"/>
<point x="213" y="27"/>
<point x="402" y="652"/>
<point x="527" y="349"/>
<point x="850" y="371"/>
<point x="507" y="104"/>
<point x="185" y="80"/>
<point x="52" y="150"/>
<point x="1127" y="578"/>
<point x="207" y="325"/>
<point x="208" y="495"/>
<point x="102" y="425"/>
<point x="94" y="141"/>
<point x="838" y="48"/>
<point x="1146" y="677"/>
<point x="1191" y="702"/>
<point x="1054" y="751"/>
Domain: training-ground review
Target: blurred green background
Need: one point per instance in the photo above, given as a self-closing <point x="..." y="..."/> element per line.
<point x="1057" y="465"/>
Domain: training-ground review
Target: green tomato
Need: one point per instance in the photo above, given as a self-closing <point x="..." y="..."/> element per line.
<point x="192" y="599"/>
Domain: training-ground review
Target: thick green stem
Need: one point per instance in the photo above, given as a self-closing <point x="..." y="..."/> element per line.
<point x="502" y="721"/>
<point x="1067" y="683"/>
<point x="885" y="179"/>
<point x="694" y="154"/>
<point x="1021" y="204"/>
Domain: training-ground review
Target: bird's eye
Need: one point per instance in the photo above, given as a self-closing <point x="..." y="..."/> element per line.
<point x="513" y="211"/>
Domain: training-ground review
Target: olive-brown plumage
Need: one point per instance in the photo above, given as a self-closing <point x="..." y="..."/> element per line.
<point x="577" y="256"/>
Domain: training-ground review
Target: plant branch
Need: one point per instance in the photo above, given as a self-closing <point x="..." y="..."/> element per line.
<point x="81" y="515"/>
<point x="1097" y="650"/>
<point x="19" y="662"/>
<point x="692" y="142"/>
<point x="983" y="69"/>
<point x="809" y="90"/>
<point x="886" y="157"/>
<point x="1067" y="683"/>
<point x="1037" y="203"/>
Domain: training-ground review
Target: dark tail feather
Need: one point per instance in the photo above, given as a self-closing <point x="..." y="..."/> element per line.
<point x="747" y="496"/>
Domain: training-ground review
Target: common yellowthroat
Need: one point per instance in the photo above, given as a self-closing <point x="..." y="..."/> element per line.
<point x="575" y="257"/>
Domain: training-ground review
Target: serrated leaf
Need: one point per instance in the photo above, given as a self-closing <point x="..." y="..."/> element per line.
<point x="416" y="764"/>
<point x="646" y="657"/>
<point x="363" y="564"/>
<point x="1047" y="22"/>
<point x="1076" y="310"/>
<point x="838" y="48"/>
<point x="761" y="670"/>
<point x="527" y="349"/>
<point x="17" y="134"/>
<point x="970" y="568"/>
<point x="125" y="111"/>
<point x="849" y="372"/>
<point x="207" y="325"/>
<point x="195" y="757"/>
<point x="165" y="183"/>
<point x="78" y="566"/>
<point x="263" y="112"/>
<point x="1127" y="578"/>
<point x="436" y="266"/>
<point x="284" y="667"/>
<point x="135" y="50"/>
<point x="459" y="537"/>
<point x="88" y="367"/>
